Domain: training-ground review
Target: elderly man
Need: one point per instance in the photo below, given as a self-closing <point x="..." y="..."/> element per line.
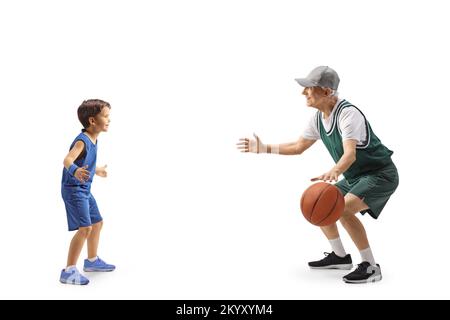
<point x="370" y="176"/>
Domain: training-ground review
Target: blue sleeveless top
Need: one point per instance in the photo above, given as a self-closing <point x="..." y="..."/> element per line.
<point x="88" y="157"/>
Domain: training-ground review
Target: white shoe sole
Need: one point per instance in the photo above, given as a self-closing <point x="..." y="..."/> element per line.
<point x="371" y="279"/>
<point x="335" y="266"/>
<point x="97" y="270"/>
<point x="71" y="282"/>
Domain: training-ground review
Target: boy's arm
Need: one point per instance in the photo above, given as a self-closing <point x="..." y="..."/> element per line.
<point x="80" y="174"/>
<point x="101" y="171"/>
<point x="343" y="164"/>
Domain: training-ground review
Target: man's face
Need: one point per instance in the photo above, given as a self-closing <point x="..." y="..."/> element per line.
<point x="314" y="96"/>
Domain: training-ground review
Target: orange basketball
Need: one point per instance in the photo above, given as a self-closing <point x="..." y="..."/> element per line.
<point x="322" y="204"/>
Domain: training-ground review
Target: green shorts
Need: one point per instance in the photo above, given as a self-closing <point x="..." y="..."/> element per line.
<point x="374" y="189"/>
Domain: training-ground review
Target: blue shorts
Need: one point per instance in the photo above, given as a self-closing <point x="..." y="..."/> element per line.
<point x="81" y="207"/>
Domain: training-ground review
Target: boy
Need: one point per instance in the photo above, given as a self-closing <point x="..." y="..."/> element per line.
<point x="82" y="211"/>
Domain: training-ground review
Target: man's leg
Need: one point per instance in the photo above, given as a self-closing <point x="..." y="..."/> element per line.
<point x="351" y="223"/>
<point x="338" y="258"/>
<point x="368" y="270"/>
<point x="332" y="234"/>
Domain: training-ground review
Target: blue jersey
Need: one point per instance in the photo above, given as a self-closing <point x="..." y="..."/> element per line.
<point x="87" y="157"/>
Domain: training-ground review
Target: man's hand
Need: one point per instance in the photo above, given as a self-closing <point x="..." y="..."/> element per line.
<point x="101" y="171"/>
<point x="81" y="174"/>
<point x="252" y="145"/>
<point x="330" y="176"/>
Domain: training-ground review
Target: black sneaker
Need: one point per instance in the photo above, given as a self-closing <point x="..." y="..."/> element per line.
<point x="332" y="261"/>
<point x="364" y="273"/>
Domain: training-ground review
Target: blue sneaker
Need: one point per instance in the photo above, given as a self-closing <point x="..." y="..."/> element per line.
<point x="97" y="266"/>
<point x="73" y="277"/>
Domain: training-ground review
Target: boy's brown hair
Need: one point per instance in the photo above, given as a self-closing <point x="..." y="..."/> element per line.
<point x="90" y="108"/>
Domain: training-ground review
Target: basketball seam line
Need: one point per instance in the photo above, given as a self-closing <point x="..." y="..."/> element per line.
<point x="318" y="198"/>
<point x="334" y="206"/>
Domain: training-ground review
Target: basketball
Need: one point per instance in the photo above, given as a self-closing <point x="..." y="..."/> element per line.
<point x="322" y="204"/>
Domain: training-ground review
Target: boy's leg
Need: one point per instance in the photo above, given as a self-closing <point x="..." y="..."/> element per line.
<point x="93" y="263"/>
<point x="93" y="240"/>
<point x="76" y="245"/>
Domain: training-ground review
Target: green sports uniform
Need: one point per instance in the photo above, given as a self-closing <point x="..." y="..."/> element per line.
<point x="373" y="177"/>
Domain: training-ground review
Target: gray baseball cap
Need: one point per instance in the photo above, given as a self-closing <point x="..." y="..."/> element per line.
<point x="322" y="76"/>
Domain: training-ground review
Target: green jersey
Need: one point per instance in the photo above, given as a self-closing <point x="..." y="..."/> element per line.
<point x="371" y="154"/>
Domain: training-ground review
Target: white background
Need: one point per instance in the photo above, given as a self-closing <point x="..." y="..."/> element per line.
<point x="186" y="215"/>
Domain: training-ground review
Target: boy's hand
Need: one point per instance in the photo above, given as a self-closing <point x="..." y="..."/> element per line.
<point x="252" y="145"/>
<point x="101" y="171"/>
<point x="81" y="174"/>
<point x="330" y="176"/>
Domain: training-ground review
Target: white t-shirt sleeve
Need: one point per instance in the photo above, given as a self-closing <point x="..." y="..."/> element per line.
<point x="311" y="132"/>
<point x="352" y="125"/>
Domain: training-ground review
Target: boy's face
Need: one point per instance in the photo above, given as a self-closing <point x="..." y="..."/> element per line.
<point x="101" y="121"/>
